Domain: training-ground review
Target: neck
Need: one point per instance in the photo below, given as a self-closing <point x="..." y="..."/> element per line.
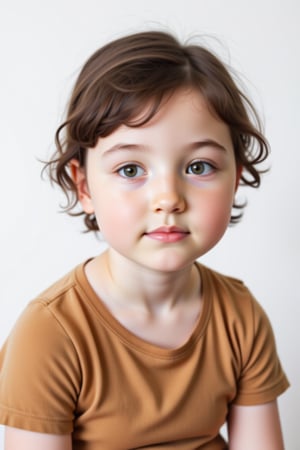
<point x="124" y="281"/>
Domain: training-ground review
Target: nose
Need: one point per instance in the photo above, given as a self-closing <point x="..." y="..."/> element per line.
<point x="168" y="197"/>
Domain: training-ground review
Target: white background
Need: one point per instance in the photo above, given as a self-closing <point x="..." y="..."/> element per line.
<point x="43" y="45"/>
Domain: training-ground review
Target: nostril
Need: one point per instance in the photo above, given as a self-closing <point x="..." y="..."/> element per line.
<point x="169" y="203"/>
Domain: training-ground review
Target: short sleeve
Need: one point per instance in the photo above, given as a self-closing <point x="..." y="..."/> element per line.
<point x="262" y="379"/>
<point x="39" y="374"/>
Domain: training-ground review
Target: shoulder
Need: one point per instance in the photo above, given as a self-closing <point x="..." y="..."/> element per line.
<point x="229" y="296"/>
<point x="60" y="303"/>
<point x="39" y="332"/>
<point x="43" y="329"/>
<point x="64" y="286"/>
<point x="53" y="316"/>
<point x="238" y="321"/>
<point x="234" y="307"/>
<point x="241" y="327"/>
<point x="41" y="346"/>
<point x="218" y="282"/>
<point x="39" y="316"/>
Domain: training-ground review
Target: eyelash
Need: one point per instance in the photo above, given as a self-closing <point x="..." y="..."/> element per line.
<point x="135" y="167"/>
<point x="206" y="166"/>
<point x="138" y="171"/>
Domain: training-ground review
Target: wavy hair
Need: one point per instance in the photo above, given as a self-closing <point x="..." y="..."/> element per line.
<point x="121" y="78"/>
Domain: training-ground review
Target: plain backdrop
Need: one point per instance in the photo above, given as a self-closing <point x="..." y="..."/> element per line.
<point x="43" y="45"/>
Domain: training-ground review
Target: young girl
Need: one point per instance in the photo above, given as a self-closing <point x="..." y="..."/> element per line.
<point x="142" y="346"/>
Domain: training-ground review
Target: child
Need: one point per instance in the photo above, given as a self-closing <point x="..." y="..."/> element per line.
<point x="142" y="346"/>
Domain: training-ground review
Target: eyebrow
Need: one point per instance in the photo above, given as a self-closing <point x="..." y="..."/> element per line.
<point x="141" y="147"/>
<point x="207" y="143"/>
<point x="124" y="146"/>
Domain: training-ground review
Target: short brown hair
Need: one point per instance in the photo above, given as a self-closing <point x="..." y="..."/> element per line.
<point x="121" y="78"/>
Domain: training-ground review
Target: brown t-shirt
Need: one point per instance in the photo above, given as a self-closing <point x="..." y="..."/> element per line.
<point x="70" y="366"/>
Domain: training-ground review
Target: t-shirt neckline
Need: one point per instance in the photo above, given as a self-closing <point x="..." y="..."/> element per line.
<point x="128" y="337"/>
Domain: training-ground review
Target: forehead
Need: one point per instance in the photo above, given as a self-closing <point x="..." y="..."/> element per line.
<point x="186" y="110"/>
<point x="182" y="118"/>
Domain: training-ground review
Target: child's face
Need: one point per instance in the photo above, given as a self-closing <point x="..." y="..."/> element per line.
<point x="162" y="193"/>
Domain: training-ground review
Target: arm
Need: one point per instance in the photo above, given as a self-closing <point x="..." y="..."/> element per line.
<point x="29" y="440"/>
<point x="255" y="427"/>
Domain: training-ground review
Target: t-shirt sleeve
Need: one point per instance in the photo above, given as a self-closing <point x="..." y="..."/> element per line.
<point x="39" y="374"/>
<point x="262" y="379"/>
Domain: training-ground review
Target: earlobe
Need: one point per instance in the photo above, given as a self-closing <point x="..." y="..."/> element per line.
<point x="239" y="170"/>
<point x="78" y="175"/>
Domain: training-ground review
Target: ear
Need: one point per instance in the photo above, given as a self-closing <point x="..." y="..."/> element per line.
<point x="78" y="175"/>
<point x="239" y="170"/>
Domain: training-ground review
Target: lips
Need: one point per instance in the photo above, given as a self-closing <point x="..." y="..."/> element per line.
<point x="168" y="234"/>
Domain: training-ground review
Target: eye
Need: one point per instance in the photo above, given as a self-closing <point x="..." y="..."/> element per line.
<point x="131" y="171"/>
<point x="199" y="168"/>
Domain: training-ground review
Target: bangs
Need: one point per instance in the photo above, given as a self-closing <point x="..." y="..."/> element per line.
<point x="130" y="95"/>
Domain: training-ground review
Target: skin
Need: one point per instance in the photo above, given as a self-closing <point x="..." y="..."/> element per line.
<point x="28" y="440"/>
<point x="164" y="191"/>
<point x="255" y="427"/>
<point x="178" y="172"/>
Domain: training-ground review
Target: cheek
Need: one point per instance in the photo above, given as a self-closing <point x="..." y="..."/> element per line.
<point x="108" y="216"/>
<point x="116" y="214"/>
<point x="215" y="209"/>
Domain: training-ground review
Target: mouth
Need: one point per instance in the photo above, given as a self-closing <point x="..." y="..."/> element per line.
<point x="167" y="234"/>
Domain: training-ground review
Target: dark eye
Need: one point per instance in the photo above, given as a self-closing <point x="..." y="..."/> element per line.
<point x="199" y="168"/>
<point x="131" y="171"/>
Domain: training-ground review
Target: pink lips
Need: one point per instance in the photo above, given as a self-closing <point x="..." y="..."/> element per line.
<point x="167" y="234"/>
